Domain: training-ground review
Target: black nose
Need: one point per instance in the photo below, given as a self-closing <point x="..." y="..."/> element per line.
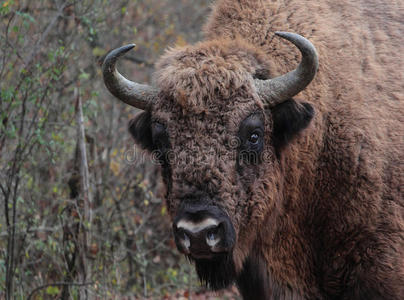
<point x="203" y="232"/>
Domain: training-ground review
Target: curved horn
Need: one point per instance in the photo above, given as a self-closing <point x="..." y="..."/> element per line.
<point x="276" y="90"/>
<point x="132" y="93"/>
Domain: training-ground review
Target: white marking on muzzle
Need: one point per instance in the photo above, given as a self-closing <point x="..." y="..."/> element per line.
<point x="196" y="227"/>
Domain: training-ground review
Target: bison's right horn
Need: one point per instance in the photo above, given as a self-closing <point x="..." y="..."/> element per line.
<point x="276" y="90"/>
<point x="132" y="93"/>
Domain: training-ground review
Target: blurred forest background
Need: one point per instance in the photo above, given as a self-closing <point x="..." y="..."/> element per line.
<point x="80" y="217"/>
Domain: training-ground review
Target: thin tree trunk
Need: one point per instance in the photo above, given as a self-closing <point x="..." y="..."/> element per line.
<point x="87" y="216"/>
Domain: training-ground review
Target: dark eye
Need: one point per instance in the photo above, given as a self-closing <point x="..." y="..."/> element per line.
<point x="254" y="138"/>
<point x="251" y="134"/>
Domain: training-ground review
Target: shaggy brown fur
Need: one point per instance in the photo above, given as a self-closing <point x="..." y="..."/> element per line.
<point x="324" y="217"/>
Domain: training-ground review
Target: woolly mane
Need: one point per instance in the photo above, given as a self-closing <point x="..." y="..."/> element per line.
<point x="197" y="76"/>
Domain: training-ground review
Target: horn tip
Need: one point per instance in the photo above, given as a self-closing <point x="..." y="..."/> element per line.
<point x="128" y="47"/>
<point x="301" y="42"/>
<point x="122" y="50"/>
<point x="116" y="53"/>
<point x="284" y="34"/>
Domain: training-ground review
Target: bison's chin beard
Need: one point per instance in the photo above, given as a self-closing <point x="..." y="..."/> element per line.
<point x="216" y="273"/>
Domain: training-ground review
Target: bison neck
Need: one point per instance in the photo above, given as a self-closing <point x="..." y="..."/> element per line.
<point x="253" y="281"/>
<point x="287" y="235"/>
<point x="256" y="282"/>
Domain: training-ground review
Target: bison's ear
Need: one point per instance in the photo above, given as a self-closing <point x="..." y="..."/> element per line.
<point x="140" y="128"/>
<point x="289" y="119"/>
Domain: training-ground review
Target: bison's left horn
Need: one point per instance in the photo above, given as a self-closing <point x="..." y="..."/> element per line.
<point x="132" y="93"/>
<point x="276" y="90"/>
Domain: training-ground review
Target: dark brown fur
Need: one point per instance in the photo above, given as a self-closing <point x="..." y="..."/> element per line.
<point x="323" y="216"/>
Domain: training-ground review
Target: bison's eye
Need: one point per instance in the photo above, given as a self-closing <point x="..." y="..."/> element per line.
<point x="253" y="141"/>
<point x="251" y="135"/>
<point x="254" y="138"/>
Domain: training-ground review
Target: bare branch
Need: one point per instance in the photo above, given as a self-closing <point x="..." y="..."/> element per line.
<point x="138" y="60"/>
<point x="86" y="193"/>
<point x="48" y="29"/>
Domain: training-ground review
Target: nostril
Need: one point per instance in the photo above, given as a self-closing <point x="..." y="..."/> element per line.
<point x="212" y="236"/>
<point x="186" y="242"/>
<point x="184" y="239"/>
<point x="212" y="232"/>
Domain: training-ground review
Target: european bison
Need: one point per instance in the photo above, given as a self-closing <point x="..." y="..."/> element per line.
<point x="288" y="198"/>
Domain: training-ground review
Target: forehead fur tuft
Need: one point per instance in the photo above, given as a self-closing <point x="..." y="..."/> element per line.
<point x="198" y="76"/>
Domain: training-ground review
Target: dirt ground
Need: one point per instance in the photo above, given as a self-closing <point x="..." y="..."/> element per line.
<point x="229" y="294"/>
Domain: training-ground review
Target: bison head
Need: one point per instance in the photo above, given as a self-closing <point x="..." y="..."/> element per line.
<point x="217" y="122"/>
